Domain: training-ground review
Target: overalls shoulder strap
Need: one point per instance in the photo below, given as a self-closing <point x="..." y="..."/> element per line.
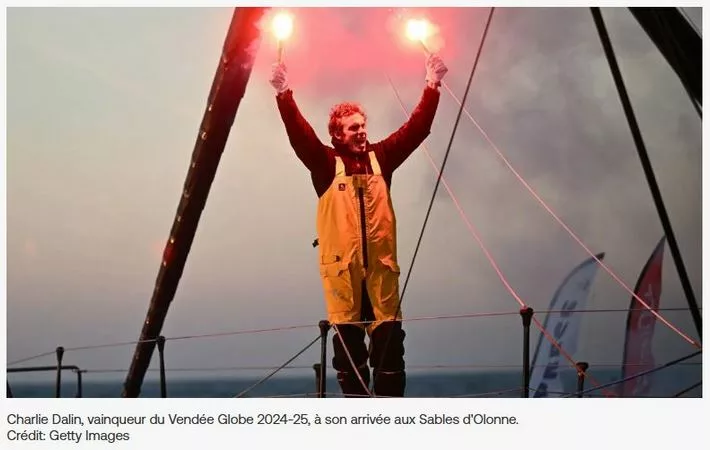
<point x="375" y="165"/>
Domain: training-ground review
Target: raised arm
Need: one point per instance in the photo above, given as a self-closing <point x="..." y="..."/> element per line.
<point x="397" y="147"/>
<point x="304" y="141"/>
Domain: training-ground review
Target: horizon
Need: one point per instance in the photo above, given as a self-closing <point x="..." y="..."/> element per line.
<point x="100" y="133"/>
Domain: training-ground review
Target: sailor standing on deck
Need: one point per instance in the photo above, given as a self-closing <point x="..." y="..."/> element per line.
<point x="356" y="228"/>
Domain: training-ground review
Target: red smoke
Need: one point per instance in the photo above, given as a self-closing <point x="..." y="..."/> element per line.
<point x="332" y="46"/>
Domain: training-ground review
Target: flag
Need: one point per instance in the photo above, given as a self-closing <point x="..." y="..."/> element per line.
<point x="640" y="324"/>
<point x="571" y="296"/>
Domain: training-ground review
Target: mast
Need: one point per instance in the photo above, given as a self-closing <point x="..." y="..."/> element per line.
<point x="228" y="88"/>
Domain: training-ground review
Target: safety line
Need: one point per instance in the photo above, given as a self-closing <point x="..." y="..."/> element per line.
<point x="53" y="352"/>
<point x="645" y="372"/>
<point x="176" y="338"/>
<point x="278" y="368"/>
<point x="449" y="316"/>
<point x="575" y="393"/>
<point x="567" y="356"/>
<point x="232" y="333"/>
<point x="592" y="366"/>
<point x="479" y="394"/>
<point x="115" y="344"/>
<point x="294" y="327"/>
<point x="424" y="318"/>
<point x="563" y="224"/>
<point x="688" y="389"/>
<point x="86" y="347"/>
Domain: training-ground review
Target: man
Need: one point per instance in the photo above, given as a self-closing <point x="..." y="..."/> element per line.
<point x="356" y="228"/>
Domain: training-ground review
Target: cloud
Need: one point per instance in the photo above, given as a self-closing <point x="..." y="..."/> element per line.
<point x="542" y="92"/>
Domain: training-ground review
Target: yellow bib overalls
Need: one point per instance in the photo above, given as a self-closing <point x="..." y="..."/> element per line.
<point x="357" y="238"/>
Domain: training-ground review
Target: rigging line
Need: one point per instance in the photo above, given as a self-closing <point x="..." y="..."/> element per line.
<point x="462" y="213"/>
<point x="492" y="260"/>
<point x="352" y="363"/>
<point x="472" y="229"/>
<point x="650" y="178"/>
<point x="640" y="374"/>
<point x="610" y="310"/>
<point x="278" y="368"/>
<point x="563" y="224"/>
<point x="688" y="389"/>
<point x="438" y="181"/>
<point x="446" y="157"/>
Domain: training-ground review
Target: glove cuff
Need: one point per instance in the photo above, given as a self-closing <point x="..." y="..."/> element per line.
<point x="432" y="78"/>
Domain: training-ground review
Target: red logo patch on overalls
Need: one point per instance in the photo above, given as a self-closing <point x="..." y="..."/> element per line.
<point x="341" y="186"/>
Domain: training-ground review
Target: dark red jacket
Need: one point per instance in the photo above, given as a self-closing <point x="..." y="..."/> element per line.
<point x="390" y="152"/>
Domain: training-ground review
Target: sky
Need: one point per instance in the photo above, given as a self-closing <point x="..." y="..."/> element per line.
<point x="103" y="109"/>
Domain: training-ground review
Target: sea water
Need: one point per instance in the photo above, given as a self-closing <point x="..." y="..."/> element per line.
<point x="664" y="383"/>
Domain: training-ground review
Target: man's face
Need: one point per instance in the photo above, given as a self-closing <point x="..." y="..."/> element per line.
<point x="353" y="133"/>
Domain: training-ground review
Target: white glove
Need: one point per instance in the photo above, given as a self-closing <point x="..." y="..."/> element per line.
<point x="279" y="79"/>
<point x="435" y="69"/>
